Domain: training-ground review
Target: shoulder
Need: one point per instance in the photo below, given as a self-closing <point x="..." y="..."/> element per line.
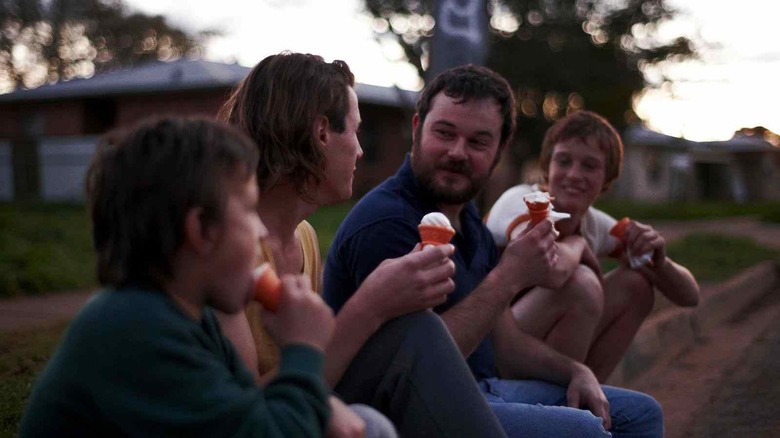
<point x="140" y="318"/>
<point x="598" y="219"/>
<point x="386" y="205"/>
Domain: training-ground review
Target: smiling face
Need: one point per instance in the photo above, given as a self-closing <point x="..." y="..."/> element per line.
<point x="342" y="150"/>
<point x="237" y="247"/>
<point x="576" y="175"/>
<point x="456" y="148"/>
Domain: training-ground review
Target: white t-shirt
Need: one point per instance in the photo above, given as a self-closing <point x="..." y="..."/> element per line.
<point x="510" y="213"/>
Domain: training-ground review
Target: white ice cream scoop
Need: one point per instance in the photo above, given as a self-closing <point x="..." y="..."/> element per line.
<point x="436" y="219"/>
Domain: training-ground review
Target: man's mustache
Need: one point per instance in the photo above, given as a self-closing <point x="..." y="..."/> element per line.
<point x="461" y="167"/>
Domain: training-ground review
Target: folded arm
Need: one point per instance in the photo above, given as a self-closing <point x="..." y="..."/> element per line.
<point x="673" y="280"/>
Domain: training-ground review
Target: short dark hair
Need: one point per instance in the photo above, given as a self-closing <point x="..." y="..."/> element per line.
<point x="467" y="82"/>
<point x="143" y="181"/>
<point x="585" y="126"/>
<point x="277" y="105"/>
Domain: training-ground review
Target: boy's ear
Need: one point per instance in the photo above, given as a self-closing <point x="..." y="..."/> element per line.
<point x="198" y="234"/>
<point x="322" y="130"/>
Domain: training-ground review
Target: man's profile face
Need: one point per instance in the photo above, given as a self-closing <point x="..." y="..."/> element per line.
<point x="456" y="148"/>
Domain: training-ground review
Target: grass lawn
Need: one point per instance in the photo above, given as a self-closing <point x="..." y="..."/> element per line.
<point x="47" y="248"/>
<point x="22" y="356"/>
<point x="44" y="247"/>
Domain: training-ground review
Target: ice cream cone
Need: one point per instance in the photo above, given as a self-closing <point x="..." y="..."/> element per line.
<point x="538" y="211"/>
<point x="433" y="235"/>
<point x="619" y="229"/>
<point x="268" y="287"/>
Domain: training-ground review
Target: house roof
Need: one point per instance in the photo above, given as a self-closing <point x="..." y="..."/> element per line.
<point x="180" y="75"/>
<point x="640" y="135"/>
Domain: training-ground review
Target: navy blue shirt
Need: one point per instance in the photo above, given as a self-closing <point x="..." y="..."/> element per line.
<point x="383" y="225"/>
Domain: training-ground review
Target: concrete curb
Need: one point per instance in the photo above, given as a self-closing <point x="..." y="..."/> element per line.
<point x="667" y="333"/>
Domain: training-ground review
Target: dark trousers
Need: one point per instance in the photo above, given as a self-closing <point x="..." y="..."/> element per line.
<point x="411" y="371"/>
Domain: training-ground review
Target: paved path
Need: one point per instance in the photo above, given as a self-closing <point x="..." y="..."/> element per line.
<point x="26" y="312"/>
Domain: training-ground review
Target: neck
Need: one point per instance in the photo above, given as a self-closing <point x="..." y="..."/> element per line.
<point x="281" y="210"/>
<point x="568" y="227"/>
<point x="186" y="291"/>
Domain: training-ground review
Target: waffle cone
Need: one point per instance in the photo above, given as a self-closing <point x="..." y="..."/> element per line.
<point x="619" y="229"/>
<point x="433" y="235"/>
<point x="267" y="288"/>
<point x="538" y="211"/>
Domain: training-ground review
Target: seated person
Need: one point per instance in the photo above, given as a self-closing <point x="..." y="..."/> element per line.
<point x="465" y="118"/>
<point x="173" y="206"/>
<point x="303" y="114"/>
<point x="591" y="318"/>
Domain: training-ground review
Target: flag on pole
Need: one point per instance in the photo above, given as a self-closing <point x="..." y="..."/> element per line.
<point x="460" y="35"/>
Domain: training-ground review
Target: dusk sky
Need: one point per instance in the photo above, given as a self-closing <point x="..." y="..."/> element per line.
<point x="734" y="85"/>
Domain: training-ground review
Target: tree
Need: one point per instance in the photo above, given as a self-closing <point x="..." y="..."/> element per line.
<point x="50" y="40"/>
<point x="559" y="55"/>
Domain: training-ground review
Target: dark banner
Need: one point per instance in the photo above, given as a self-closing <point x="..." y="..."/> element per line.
<point x="460" y="36"/>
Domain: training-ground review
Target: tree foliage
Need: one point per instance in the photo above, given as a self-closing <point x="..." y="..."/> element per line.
<point x="50" y="40"/>
<point x="560" y="55"/>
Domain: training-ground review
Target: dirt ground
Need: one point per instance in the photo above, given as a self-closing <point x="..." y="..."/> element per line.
<point x="728" y="383"/>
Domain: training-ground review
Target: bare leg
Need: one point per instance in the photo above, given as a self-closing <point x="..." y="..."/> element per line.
<point x="566" y="318"/>
<point x="628" y="299"/>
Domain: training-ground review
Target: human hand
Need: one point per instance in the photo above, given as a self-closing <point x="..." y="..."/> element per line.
<point x="584" y="391"/>
<point x="529" y="260"/>
<point x="416" y="281"/>
<point x="344" y="423"/>
<point x="642" y="239"/>
<point x="302" y="317"/>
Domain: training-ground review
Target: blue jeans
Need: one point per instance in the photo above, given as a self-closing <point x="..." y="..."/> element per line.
<point x="533" y="408"/>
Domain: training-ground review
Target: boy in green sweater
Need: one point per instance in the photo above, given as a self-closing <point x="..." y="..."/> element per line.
<point x="173" y="205"/>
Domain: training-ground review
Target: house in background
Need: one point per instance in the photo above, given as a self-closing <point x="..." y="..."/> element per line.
<point x="48" y="134"/>
<point x="660" y="168"/>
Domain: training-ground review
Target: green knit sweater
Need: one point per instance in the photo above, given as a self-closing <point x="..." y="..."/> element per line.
<point x="132" y="364"/>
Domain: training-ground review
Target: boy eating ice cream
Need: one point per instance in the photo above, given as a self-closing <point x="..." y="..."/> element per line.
<point x="593" y="317"/>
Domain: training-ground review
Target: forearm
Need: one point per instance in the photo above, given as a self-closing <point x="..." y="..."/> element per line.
<point x="569" y="252"/>
<point x="354" y="325"/>
<point x="521" y="356"/>
<point x="474" y="317"/>
<point x="675" y="282"/>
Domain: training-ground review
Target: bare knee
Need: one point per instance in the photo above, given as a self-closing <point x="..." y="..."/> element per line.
<point x="583" y="292"/>
<point x="638" y="293"/>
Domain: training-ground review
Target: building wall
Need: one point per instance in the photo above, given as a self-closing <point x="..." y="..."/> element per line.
<point x="63" y="166"/>
<point x="130" y="109"/>
<point x="385" y="137"/>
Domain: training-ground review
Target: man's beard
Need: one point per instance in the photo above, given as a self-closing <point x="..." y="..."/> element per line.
<point x="441" y="193"/>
